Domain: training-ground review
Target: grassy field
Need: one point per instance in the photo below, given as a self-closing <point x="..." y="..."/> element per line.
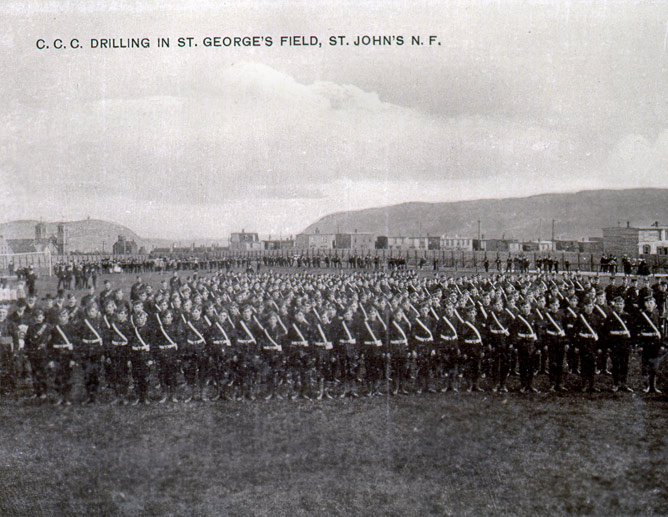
<point x="441" y="454"/>
<point x="462" y="454"/>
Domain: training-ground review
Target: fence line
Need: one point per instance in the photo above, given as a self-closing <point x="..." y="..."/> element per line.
<point x="445" y="259"/>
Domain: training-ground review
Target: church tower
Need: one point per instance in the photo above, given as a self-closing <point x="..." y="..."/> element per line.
<point x="40" y="231"/>
<point x="62" y="239"/>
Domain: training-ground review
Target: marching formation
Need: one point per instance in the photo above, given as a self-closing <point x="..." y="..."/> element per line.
<point x="242" y="336"/>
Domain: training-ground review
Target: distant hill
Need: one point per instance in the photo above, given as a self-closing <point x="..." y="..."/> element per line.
<point x="577" y="215"/>
<point x="89" y="235"/>
<point x="95" y="235"/>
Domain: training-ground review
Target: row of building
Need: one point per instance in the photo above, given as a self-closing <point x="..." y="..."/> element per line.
<point x="616" y="240"/>
<point x="366" y="241"/>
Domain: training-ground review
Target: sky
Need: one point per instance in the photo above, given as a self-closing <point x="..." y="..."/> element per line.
<point x="510" y="99"/>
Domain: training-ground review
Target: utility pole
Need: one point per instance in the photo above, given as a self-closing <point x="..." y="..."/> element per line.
<point x="552" y="233"/>
<point x="540" y="229"/>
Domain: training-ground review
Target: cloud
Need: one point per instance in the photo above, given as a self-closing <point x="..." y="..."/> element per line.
<point x="638" y="162"/>
<point x="257" y="132"/>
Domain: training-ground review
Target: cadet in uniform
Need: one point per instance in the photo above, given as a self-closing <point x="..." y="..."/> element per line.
<point x="220" y="351"/>
<point x="523" y="333"/>
<point x="119" y="353"/>
<point x="423" y="346"/>
<point x="89" y="348"/>
<point x="248" y="334"/>
<point x="61" y="347"/>
<point x="649" y="339"/>
<point x="499" y="346"/>
<point x="587" y="334"/>
<point x="571" y="317"/>
<point x="618" y="337"/>
<point x="603" y="310"/>
<point x="270" y="338"/>
<point x="167" y="337"/>
<point x="37" y="340"/>
<point x="397" y="348"/>
<point x="447" y="347"/>
<point x="555" y="336"/>
<point x="373" y="354"/>
<point x="194" y="357"/>
<point x="140" y="354"/>
<point x="346" y="336"/>
<point x="471" y="346"/>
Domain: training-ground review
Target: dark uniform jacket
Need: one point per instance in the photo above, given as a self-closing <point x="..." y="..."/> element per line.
<point x="37" y="337"/>
<point x="88" y="335"/>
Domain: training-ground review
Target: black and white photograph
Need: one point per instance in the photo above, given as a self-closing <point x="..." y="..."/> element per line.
<point x="276" y="257"/>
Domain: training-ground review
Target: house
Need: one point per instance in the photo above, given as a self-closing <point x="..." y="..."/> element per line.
<point x="245" y="241"/>
<point x="503" y="245"/>
<point x="355" y="241"/>
<point x="538" y="246"/>
<point x="456" y="243"/>
<point x="280" y="244"/>
<point x="315" y="240"/>
<point x="4" y="246"/>
<point x="124" y="247"/>
<point x="634" y="240"/>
